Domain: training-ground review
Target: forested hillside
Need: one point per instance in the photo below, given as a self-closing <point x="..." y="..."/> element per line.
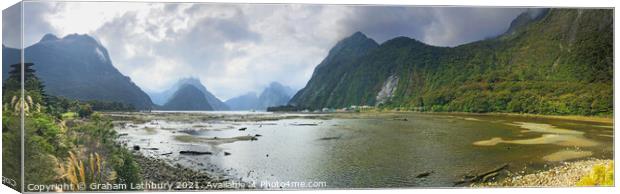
<point x="560" y="62"/>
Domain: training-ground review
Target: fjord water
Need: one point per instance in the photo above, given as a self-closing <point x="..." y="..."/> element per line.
<point x="361" y="150"/>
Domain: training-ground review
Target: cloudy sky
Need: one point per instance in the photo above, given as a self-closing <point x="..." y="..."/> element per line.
<point x="239" y="48"/>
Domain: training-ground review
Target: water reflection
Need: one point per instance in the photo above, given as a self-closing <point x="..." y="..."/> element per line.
<point x="364" y="150"/>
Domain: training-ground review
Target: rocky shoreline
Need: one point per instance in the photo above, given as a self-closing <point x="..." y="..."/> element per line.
<point x="159" y="171"/>
<point x="565" y="175"/>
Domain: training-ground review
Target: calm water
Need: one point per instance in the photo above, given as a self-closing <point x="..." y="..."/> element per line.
<point x="366" y="150"/>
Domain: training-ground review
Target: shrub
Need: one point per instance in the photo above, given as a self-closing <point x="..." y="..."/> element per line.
<point x="85" y="111"/>
<point x="601" y="175"/>
<point x="83" y="173"/>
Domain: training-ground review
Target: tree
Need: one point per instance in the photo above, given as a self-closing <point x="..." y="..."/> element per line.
<point x="85" y="111"/>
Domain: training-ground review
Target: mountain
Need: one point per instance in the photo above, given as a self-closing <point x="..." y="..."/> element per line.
<point x="329" y="74"/>
<point x="9" y="56"/>
<point x="275" y="94"/>
<point x="79" y="67"/>
<point x="187" y="97"/>
<point x="248" y="101"/>
<point x="163" y="97"/>
<point x="557" y="62"/>
<point x="525" y="18"/>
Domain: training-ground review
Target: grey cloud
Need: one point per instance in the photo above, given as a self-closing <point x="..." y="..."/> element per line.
<point x="35" y="24"/>
<point x="384" y="23"/>
<point x="441" y="26"/>
<point x="197" y="51"/>
<point x="11" y="22"/>
<point x="204" y="44"/>
<point x="171" y="7"/>
<point x="457" y="26"/>
<point x="240" y="48"/>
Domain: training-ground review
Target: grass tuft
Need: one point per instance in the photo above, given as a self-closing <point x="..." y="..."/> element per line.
<point x="601" y="175"/>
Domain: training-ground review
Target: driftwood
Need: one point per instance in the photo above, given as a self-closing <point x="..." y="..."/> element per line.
<point x="330" y="138"/>
<point x="165" y="154"/>
<point x="243" y="129"/>
<point x="195" y="153"/>
<point x="489" y="176"/>
<point x="304" y="124"/>
<point x="482" y="177"/>
<point x="424" y="174"/>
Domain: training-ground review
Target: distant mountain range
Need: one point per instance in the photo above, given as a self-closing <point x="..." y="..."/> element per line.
<point x="187" y="97"/>
<point x="559" y="61"/>
<point x="248" y="101"/>
<point x="275" y="94"/>
<point x="165" y="96"/>
<point x="78" y="67"/>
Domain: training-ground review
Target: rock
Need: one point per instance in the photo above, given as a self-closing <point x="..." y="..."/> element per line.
<point x="136" y="147"/>
<point x="565" y="175"/>
<point x="226" y="153"/>
<point x="424" y="174"/>
<point x="243" y="129"/>
<point x="189" y="131"/>
<point x="195" y="153"/>
<point x="479" y="177"/>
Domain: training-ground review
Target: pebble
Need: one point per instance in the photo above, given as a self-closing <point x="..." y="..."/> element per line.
<point x="565" y="175"/>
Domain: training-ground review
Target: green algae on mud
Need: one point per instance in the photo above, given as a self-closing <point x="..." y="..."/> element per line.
<point x="550" y="135"/>
<point x="561" y="140"/>
<point x="150" y="130"/>
<point x="566" y="155"/>
<point x="546" y="128"/>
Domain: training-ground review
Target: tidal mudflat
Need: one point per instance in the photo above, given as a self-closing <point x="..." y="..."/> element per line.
<point x="361" y="150"/>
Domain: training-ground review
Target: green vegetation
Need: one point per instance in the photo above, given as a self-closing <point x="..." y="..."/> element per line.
<point x="58" y="106"/>
<point x="560" y="64"/>
<point x="85" y="110"/>
<point x="76" y="171"/>
<point x="101" y="105"/>
<point x="60" y="147"/>
<point x="601" y="175"/>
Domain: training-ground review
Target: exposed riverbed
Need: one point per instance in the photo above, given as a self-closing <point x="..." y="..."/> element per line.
<point x="360" y="150"/>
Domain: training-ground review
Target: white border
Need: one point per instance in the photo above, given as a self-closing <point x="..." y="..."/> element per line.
<point x="547" y="3"/>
